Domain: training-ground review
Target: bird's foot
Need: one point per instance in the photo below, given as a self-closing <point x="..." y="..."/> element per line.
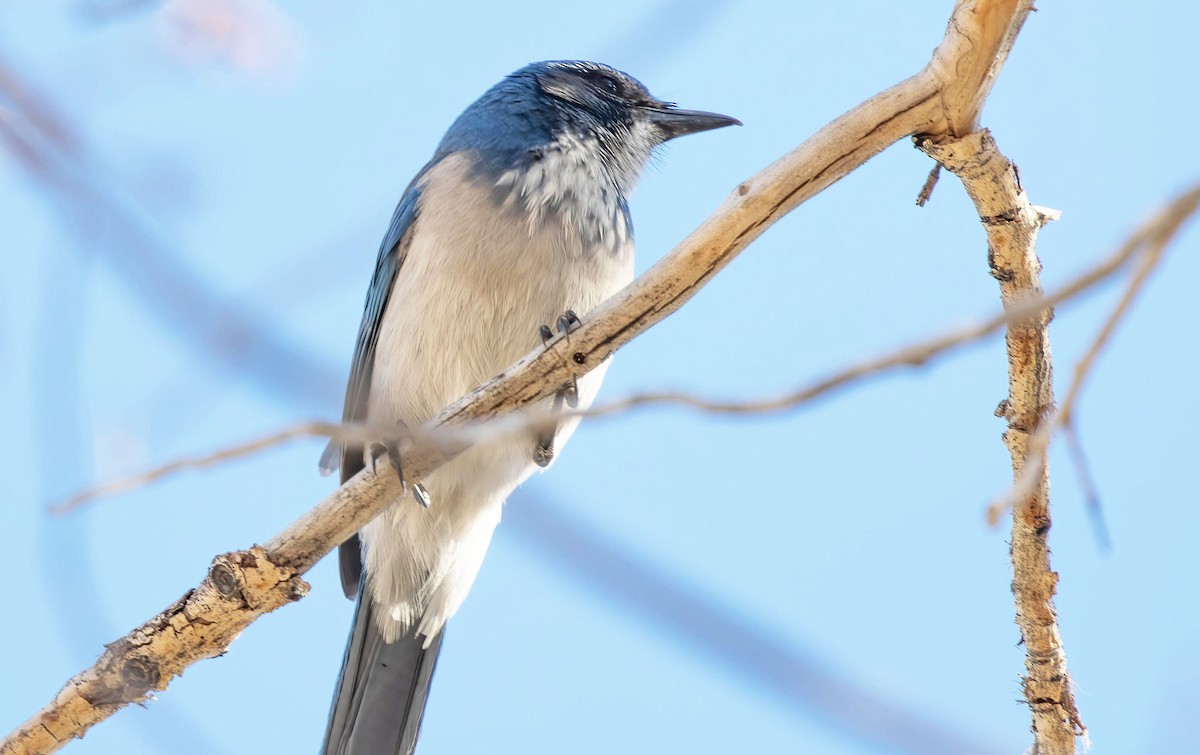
<point x="543" y="450"/>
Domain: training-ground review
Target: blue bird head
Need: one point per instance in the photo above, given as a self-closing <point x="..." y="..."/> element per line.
<point x="588" y="112"/>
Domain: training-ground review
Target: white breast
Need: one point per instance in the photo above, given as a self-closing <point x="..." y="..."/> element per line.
<point x="476" y="283"/>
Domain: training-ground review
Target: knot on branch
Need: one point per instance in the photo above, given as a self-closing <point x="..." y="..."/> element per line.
<point x="967" y="156"/>
<point x="132" y="676"/>
<point x="990" y="178"/>
<point x="240" y="586"/>
<point x="1046" y="699"/>
<point x="1024" y="422"/>
<point x="140" y="674"/>
<point x="250" y="579"/>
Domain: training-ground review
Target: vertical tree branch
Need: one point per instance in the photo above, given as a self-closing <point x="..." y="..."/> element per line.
<point x="1012" y="224"/>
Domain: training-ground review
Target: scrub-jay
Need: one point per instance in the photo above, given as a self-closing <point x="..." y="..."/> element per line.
<point x="520" y="217"/>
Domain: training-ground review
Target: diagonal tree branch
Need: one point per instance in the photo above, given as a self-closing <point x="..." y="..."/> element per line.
<point x="937" y="101"/>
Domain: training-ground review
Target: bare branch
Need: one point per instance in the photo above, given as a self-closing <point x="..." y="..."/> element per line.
<point x="945" y="94"/>
<point x="1012" y="224"/>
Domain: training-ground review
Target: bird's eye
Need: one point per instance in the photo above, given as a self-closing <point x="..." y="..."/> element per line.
<point x="609" y="84"/>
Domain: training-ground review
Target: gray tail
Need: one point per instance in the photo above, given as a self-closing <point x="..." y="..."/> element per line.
<point x="381" y="691"/>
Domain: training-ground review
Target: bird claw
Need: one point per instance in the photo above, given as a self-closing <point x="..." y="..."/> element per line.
<point x="390" y="447"/>
<point x="420" y="495"/>
<point x="543" y="452"/>
<point x="567" y="322"/>
<point x="569" y="393"/>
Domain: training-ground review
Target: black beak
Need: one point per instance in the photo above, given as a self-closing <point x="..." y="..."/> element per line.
<point x="673" y="122"/>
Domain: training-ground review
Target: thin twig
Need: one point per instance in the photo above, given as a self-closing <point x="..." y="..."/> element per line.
<point x="794" y="678"/>
<point x="930" y="181"/>
<point x="201" y="461"/>
<point x="1091" y="494"/>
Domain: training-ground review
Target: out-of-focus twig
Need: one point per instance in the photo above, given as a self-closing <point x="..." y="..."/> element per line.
<point x="1087" y="483"/>
<point x="494" y="430"/>
<point x="256" y="37"/>
<point x="56" y="158"/>
<point x="105" y="11"/>
<point x="795" y="679"/>
<point x="1149" y="241"/>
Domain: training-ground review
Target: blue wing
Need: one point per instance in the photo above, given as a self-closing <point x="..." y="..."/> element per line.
<point x="348" y="456"/>
<point x="382" y="688"/>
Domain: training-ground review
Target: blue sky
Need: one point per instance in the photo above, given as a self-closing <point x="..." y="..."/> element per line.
<point x="847" y="538"/>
